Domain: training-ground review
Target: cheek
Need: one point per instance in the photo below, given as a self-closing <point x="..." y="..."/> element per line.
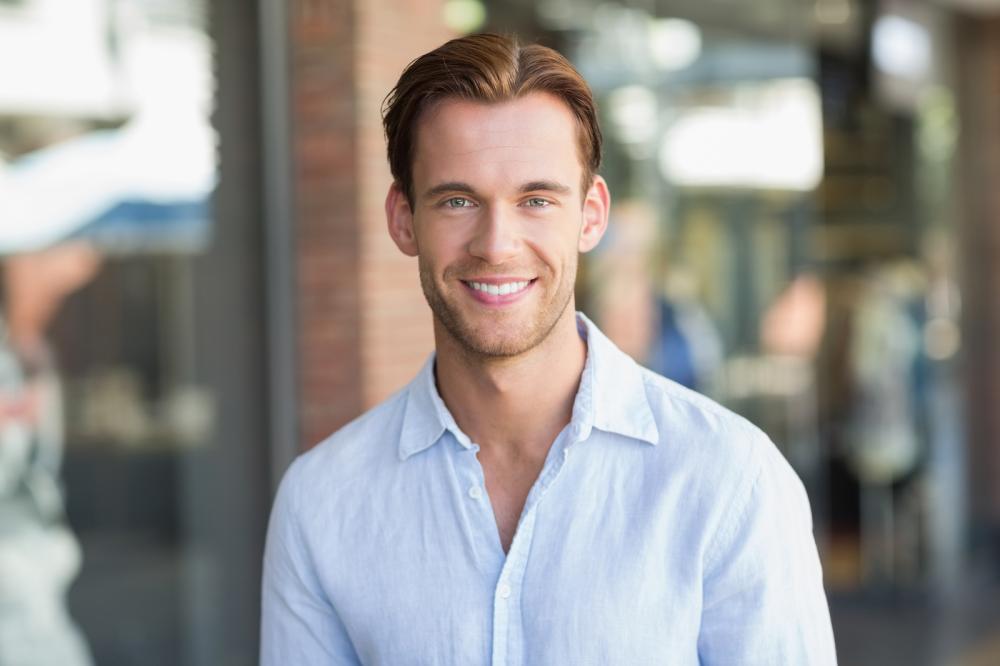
<point x="440" y="243"/>
<point x="553" y="243"/>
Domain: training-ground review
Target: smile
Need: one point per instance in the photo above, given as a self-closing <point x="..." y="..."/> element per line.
<point x="500" y="289"/>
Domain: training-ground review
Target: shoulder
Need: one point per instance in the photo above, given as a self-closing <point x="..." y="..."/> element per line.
<point x="698" y="424"/>
<point x="349" y="457"/>
<point x="735" y="479"/>
<point x="730" y="454"/>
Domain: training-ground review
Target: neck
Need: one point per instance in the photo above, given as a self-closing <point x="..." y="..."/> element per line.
<point x="513" y="405"/>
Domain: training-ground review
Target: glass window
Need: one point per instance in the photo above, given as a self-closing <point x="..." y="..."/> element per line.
<point x="108" y="428"/>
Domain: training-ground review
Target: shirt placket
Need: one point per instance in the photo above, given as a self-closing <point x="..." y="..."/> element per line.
<point x="507" y="594"/>
<point x="482" y="521"/>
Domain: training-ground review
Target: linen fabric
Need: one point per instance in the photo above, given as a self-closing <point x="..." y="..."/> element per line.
<point x="663" y="529"/>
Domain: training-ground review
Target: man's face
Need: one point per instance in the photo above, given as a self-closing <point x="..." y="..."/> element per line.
<point x="498" y="219"/>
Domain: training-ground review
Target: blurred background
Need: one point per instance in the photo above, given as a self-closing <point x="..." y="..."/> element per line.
<point x="195" y="285"/>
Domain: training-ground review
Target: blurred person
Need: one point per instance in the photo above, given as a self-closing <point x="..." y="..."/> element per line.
<point x="885" y="356"/>
<point x="886" y="441"/>
<point x="39" y="557"/>
<point x="793" y="324"/>
<point x="533" y="496"/>
<point x="688" y="346"/>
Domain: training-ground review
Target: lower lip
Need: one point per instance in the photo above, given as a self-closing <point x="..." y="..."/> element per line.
<point x="497" y="300"/>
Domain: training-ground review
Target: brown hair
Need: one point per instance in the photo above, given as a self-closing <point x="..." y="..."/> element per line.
<point x="488" y="68"/>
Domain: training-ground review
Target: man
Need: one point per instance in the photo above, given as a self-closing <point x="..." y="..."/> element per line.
<point x="533" y="496"/>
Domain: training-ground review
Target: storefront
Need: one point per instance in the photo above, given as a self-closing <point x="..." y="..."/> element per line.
<point x="137" y="284"/>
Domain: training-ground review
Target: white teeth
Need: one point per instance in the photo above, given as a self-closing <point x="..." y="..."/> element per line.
<point x="500" y="289"/>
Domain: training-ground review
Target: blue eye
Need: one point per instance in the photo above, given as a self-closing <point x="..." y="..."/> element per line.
<point x="537" y="202"/>
<point x="458" y="202"/>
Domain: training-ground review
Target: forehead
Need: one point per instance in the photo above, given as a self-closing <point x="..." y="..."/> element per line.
<point x="534" y="136"/>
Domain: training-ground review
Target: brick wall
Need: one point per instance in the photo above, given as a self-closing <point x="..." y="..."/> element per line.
<point x="364" y="325"/>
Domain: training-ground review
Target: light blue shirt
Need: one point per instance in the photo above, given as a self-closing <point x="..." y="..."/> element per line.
<point x="662" y="529"/>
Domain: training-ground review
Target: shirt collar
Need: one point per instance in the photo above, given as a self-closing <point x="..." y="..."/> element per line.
<point x="612" y="394"/>
<point x="426" y="417"/>
<point x="611" y="397"/>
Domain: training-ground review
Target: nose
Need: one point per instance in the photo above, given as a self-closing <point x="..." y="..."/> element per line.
<point x="496" y="237"/>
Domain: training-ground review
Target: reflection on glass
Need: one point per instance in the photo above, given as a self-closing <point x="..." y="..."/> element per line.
<point x="107" y="166"/>
<point x="39" y="556"/>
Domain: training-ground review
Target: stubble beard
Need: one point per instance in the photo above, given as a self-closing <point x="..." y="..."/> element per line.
<point x="476" y="339"/>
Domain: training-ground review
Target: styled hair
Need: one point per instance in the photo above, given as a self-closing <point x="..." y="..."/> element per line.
<point x="485" y="68"/>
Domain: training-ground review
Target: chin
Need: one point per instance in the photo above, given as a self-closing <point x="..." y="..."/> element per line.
<point x="499" y="337"/>
<point x="487" y="340"/>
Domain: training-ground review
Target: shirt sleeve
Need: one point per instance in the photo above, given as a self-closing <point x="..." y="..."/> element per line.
<point x="763" y="598"/>
<point x="299" y="625"/>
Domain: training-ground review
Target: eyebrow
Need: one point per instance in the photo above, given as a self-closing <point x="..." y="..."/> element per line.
<point x="444" y="188"/>
<point x="545" y="186"/>
<point x="465" y="188"/>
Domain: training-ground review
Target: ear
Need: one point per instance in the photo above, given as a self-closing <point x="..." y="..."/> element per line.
<point x="399" y="218"/>
<point x="596" y="206"/>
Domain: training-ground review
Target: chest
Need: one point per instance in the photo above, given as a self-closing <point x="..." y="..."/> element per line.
<point x="508" y="486"/>
<point x="579" y="585"/>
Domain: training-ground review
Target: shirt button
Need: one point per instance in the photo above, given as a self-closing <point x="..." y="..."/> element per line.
<point x="504" y="591"/>
<point x="475" y="492"/>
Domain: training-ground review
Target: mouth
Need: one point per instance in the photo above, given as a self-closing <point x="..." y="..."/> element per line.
<point x="499" y="288"/>
<point x="498" y="291"/>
